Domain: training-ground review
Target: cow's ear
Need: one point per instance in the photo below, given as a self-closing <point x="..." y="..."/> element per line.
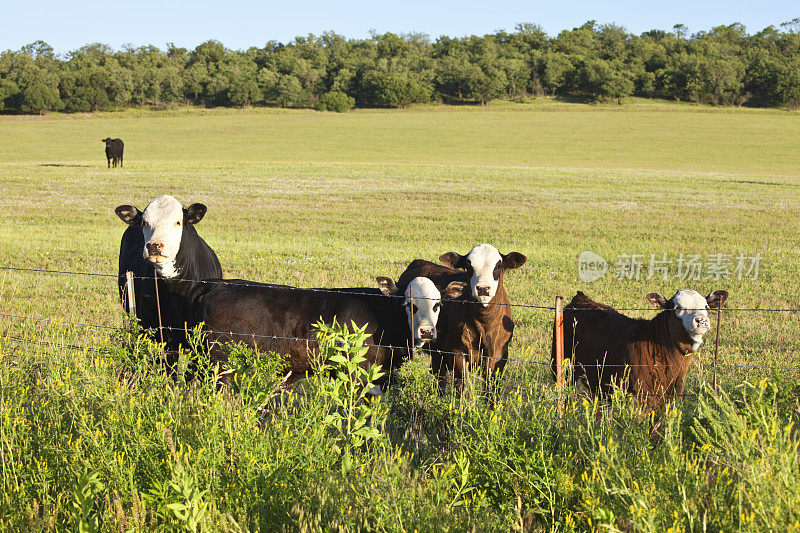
<point x="513" y="260"/>
<point x="129" y="214"/>
<point x="716" y="298"/>
<point x="195" y="213"/>
<point x="453" y="290"/>
<point x="658" y="301"/>
<point x="453" y="260"/>
<point x="387" y="285"/>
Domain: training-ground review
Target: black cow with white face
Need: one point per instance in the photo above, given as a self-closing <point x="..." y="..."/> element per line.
<point x="423" y="304"/>
<point x="162" y="243"/>
<point x="280" y="318"/>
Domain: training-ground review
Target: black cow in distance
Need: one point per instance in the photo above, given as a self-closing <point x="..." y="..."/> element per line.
<point x="114" y="148"/>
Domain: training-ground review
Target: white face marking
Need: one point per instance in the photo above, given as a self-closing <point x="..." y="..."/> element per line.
<point x="483" y="260"/>
<point x="692" y="309"/>
<point x="162" y="227"/>
<point x="427" y="303"/>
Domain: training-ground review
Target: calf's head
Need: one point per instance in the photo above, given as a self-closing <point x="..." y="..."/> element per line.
<point x="422" y="303"/>
<point x="485" y="266"/>
<point x="692" y="310"/>
<point x="164" y="225"/>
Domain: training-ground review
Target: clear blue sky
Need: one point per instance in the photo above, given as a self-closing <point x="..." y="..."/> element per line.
<point x="239" y="24"/>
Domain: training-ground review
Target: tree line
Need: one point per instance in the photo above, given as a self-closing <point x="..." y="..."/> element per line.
<point x="724" y="66"/>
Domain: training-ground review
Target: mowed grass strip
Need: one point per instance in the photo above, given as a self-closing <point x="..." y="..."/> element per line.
<point x="316" y="199"/>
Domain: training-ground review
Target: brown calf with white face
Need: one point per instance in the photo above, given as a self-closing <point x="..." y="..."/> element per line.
<point x="480" y="326"/>
<point x="604" y="344"/>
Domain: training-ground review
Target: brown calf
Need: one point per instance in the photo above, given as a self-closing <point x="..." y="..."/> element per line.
<point x="480" y="325"/>
<point x="656" y="354"/>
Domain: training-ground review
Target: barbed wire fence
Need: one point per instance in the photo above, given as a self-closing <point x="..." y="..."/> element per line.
<point x="557" y="308"/>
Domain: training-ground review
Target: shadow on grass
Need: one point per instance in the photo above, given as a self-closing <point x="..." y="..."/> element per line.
<point x="756" y="182"/>
<point x="573" y="99"/>
<point x="65" y="165"/>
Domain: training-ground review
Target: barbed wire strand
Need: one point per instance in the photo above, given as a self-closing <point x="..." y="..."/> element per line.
<point x="43" y="342"/>
<point x="46" y="271"/>
<point x="349" y="291"/>
<point x="406" y="348"/>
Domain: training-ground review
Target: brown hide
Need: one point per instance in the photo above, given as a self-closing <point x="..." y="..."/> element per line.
<point x="605" y="346"/>
<point x="478" y="335"/>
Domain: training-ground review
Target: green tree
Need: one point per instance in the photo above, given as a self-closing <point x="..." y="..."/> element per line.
<point x="335" y="101"/>
<point x="788" y="84"/>
<point x="557" y="71"/>
<point x="39" y="96"/>
<point x="399" y="89"/>
<point x="603" y="80"/>
<point x="195" y="77"/>
<point x="241" y="74"/>
<point x="27" y="86"/>
<point x="716" y="80"/>
<point x="290" y="91"/>
<point x="453" y="75"/>
<point x="268" y="81"/>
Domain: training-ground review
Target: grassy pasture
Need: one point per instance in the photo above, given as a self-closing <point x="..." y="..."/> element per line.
<point x="321" y="199"/>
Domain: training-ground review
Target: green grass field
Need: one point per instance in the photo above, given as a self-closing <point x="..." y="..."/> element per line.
<point x="322" y="199"/>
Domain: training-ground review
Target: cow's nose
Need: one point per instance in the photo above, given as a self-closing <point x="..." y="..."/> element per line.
<point x="482" y="290"/>
<point x="427" y="332"/>
<point x="154" y="247"/>
<point x="701" y="321"/>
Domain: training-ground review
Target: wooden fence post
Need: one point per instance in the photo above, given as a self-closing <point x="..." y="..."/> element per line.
<point x="559" y="325"/>
<point x="716" y="345"/>
<point x="411" y="306"/>
<point x="158" y="308"/>
<point x="130" y="293"/>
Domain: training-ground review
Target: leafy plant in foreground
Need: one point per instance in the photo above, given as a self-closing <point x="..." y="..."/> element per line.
<point x="342" y="351"/>
<point x="83" y="494"/>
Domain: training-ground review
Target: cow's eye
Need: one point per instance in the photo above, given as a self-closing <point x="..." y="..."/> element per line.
<point x="178" y="223"/>
<point x="436" y="306"/>
<point x="414" y="308"/>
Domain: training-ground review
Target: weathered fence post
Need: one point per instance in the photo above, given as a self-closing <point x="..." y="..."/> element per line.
<point x="411" y="306"/>
<point x="129" y="292"/>
<point x="158" y="308"/>
<point x="559" y="326"/>
<point x="716" y="346"/>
